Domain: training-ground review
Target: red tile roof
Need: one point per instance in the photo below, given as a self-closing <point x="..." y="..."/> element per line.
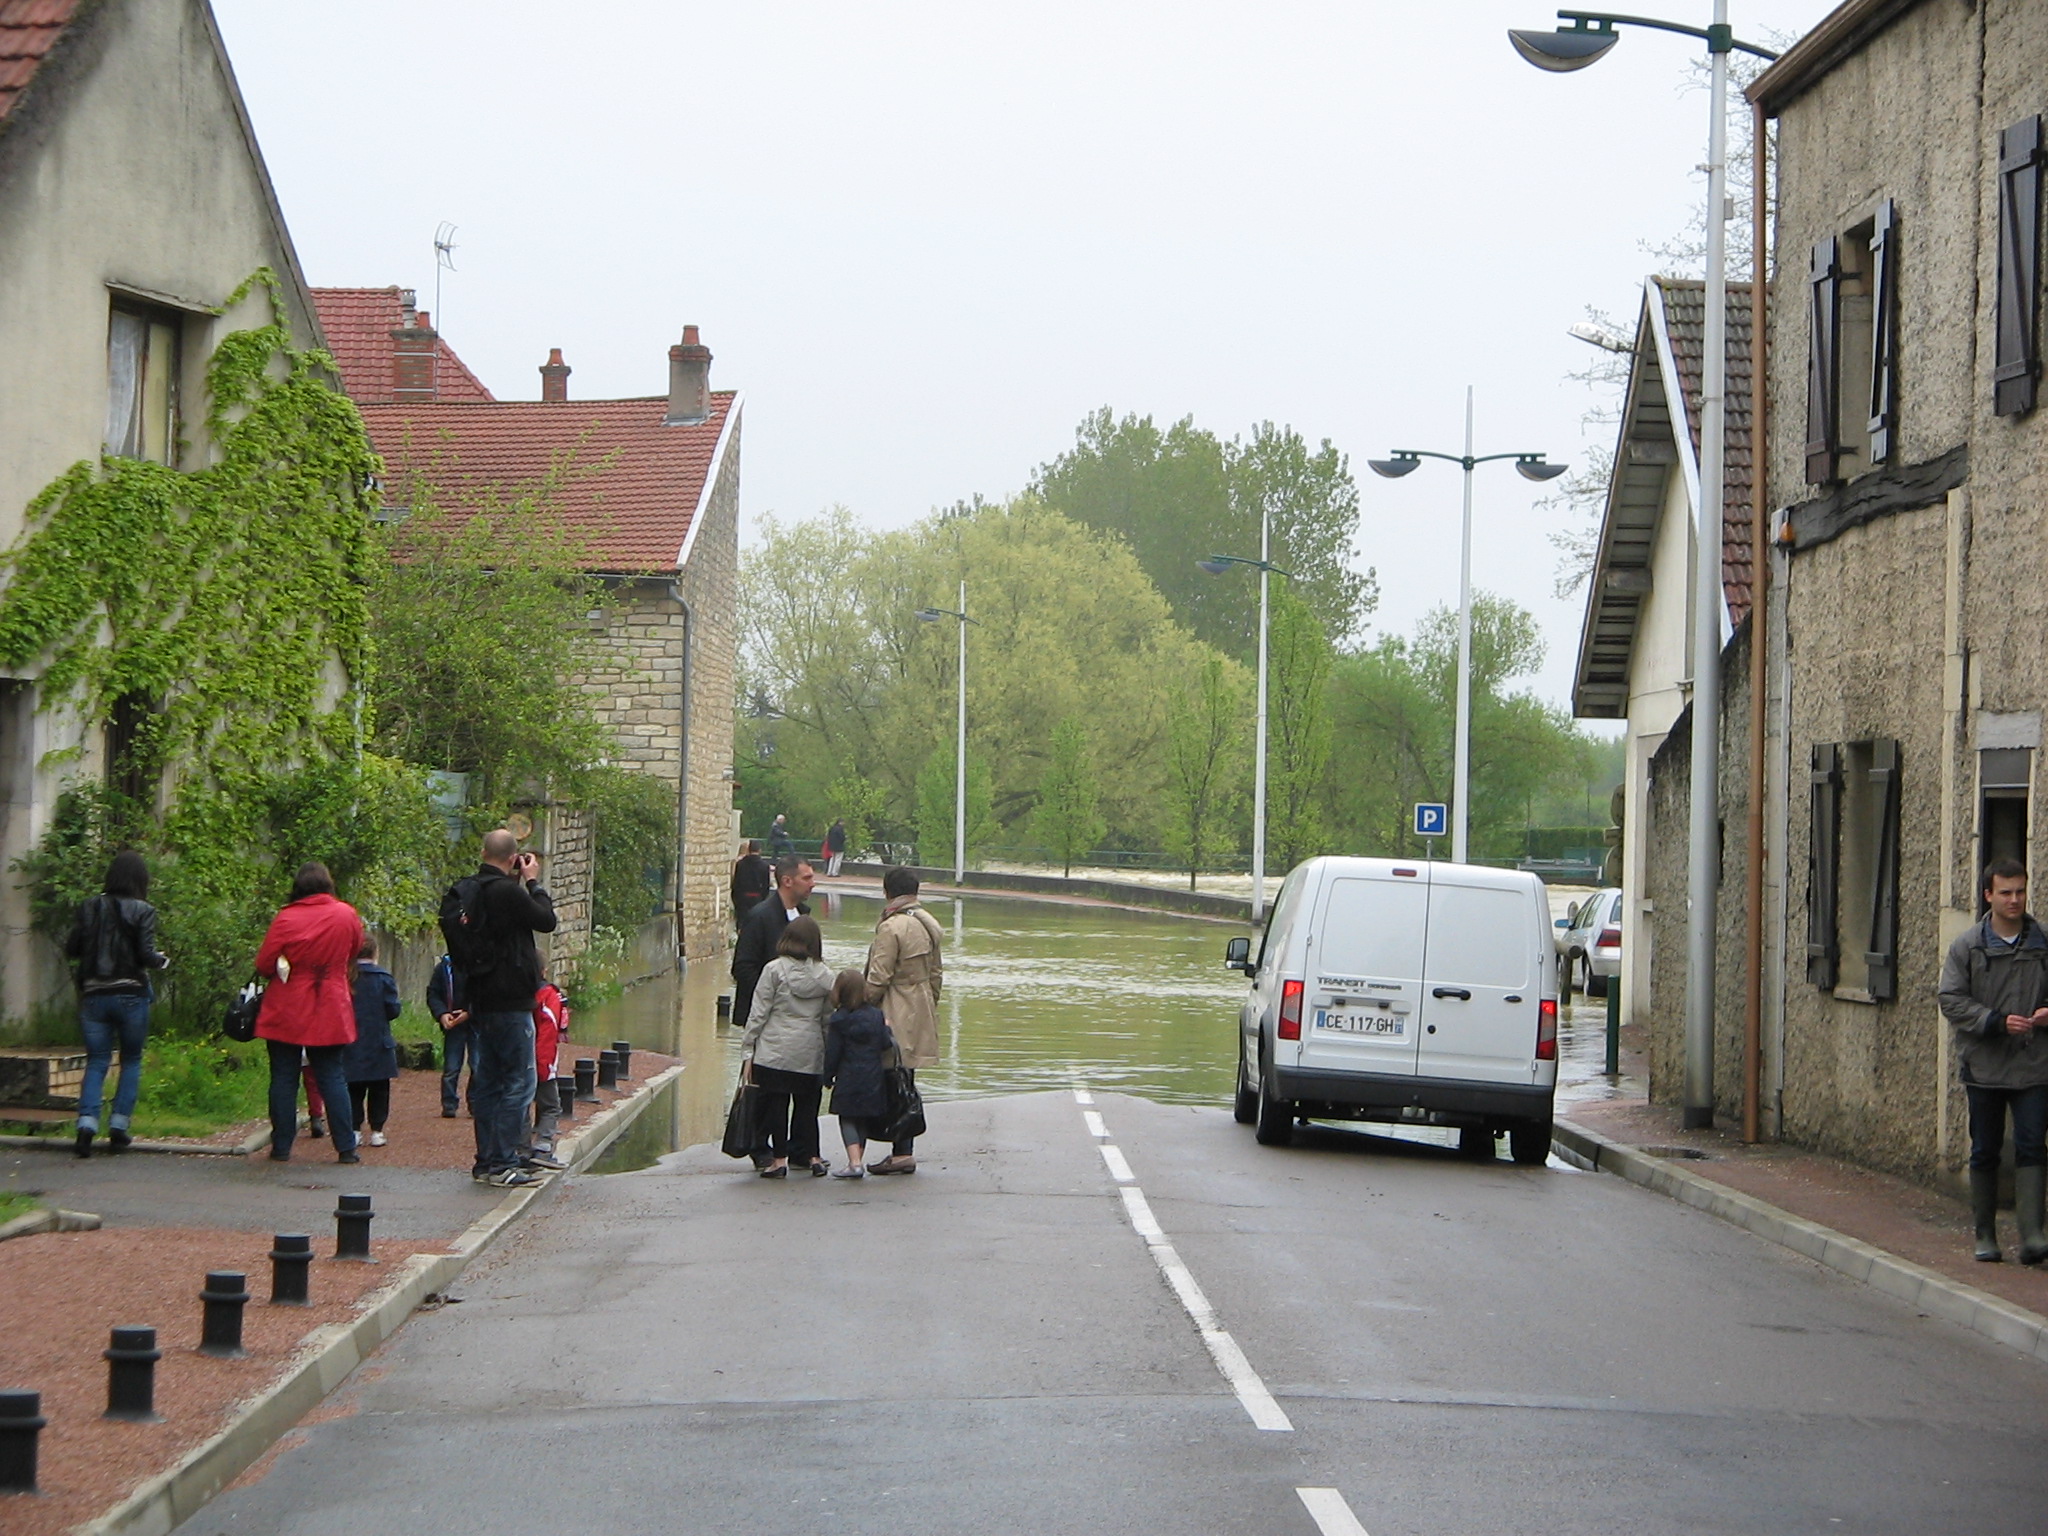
<point x="29" y="29"/>
<point x="358" y="323"/>
<point x="634" y="501"/>
<point x="1685" y="308"/>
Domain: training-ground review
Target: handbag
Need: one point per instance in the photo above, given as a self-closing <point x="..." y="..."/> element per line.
<point x="904" y="1117"/>
<point x="239" y="1023"/>
<point x="743" y="1135"/>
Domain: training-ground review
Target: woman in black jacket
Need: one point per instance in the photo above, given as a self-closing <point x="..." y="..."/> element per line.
<point x="112" y="947"/>
<point x="857" y="1044"/>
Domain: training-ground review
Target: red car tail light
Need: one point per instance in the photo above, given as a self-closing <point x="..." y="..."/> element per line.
<point x="1290" y="1010"/>
<point x="1546" y="1030"/>
<point x="1610" y="938"/>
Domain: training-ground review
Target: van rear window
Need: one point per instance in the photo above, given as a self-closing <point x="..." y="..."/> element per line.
<point x="1478" y="938"/>
<point x="1372" y="928"/>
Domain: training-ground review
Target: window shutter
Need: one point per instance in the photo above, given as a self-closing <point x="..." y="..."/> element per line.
<point x="1884" y="330"/>
<point x="2018" y="356"/>
<point x="1883" y="955"/>
<point x="1823" y="363"/>
<point x="1823" y="863"/>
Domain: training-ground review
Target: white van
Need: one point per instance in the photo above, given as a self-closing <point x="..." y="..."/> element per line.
<point x="1412" y="992"/>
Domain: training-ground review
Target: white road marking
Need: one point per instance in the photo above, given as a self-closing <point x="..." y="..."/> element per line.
<point x="1118" y="1168"/>
<point x="1083" y="1096"/>
<point x="1332" y="1515"/>
<point x="1141" y="1213"/>
<point x="1093" y="1120"/>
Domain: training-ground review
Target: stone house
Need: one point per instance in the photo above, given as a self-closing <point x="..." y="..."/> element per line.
<point x="133" y="202"/>
<point x="655" y="497"/>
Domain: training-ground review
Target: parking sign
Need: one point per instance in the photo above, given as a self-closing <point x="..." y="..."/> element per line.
<point x="1431" y="820"/>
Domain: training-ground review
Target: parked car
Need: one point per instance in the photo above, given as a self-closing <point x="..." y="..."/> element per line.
<point x="1589" y="944"/>
<point x="1411" y="993"/>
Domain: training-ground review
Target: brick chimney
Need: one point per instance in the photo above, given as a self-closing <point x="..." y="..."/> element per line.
<point x="554" y="377"/>
<point x="689" y="382"/>
<point x="412" y="355"/>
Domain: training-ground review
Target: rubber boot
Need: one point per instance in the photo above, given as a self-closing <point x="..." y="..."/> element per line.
<point x="2029" y="1186"/>
<point x="1984" y="1206"/>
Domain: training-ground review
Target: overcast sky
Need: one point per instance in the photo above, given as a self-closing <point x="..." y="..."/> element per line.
<point x="925" y="239"/>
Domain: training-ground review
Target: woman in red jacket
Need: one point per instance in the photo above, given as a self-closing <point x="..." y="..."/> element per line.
<point x="310" y="956"/>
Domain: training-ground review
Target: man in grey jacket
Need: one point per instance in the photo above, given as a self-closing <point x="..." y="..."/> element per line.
<point x="1993" y="987"/>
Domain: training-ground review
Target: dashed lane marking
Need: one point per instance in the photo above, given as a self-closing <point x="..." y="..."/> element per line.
<point x="1119" y="1169"/>
<point x="1096" y="1128"/>
<point x="1331" y="1514"/>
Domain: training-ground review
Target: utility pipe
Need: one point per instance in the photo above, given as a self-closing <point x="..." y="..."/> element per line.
<point x="1759" y="639"/>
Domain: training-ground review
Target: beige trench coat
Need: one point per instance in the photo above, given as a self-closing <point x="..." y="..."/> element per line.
<point x="904" y="975"/>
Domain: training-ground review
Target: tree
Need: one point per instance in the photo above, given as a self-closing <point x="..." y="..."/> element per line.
<point x="858" y="802"/>
<point x="1066" y="820"/>
<point x="938" y="807"/>
<point x="1312" y="503"/>
<point x="1298" y="731"/>
<point x="1205" y="761"/>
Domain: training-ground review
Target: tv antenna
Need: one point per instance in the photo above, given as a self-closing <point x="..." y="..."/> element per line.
<point x="444" y="261"/>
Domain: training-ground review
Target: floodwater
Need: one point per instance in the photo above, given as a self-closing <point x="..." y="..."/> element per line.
<point x="1038" y="995"/>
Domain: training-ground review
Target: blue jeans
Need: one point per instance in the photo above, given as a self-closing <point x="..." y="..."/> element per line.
<point x="324" y="1061"/>
<point x="1987" y="1125"/>
<point x="108" y="1019"/>
<point x="502" y="1077"/>
<point x="456" y="1044"/>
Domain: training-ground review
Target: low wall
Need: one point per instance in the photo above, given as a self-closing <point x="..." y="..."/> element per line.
<point x="1122" y="893"/>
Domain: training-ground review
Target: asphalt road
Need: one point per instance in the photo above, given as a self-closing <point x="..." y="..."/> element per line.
<point x="996" y="1345"/>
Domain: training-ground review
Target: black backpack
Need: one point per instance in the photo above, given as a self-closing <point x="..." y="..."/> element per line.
<point x="464" y="928"/>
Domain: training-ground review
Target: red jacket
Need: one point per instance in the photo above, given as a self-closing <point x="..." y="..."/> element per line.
<point x="319" y="936"/>
<point x="550" y="1026"/>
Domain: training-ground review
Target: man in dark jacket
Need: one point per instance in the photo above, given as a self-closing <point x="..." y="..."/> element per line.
<point x="1993" y="987"/>
<point x="794" y="878"/>
<point x="751" y="882"/>
<point x="450" y="1010"/>
<point x="501" y="982"/>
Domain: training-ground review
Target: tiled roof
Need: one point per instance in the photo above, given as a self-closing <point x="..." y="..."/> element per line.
<point x="633" y="486"/>
<point x="1685" y="311"/>
<point x="29" y="29"/>
<point x="358" y="323"/>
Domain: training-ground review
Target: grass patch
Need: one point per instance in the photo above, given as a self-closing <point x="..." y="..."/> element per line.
<point x="197" y="1087"/>
<point x="13" y="1205"/>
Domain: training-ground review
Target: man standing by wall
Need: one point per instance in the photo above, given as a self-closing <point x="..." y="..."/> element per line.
<point x="794" y="878"/>
<point x="904" y="976"/>
<point x="1993" y="986"/>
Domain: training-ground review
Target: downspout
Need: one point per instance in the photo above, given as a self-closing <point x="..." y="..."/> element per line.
<point x="675" y="590"/>
<point x="1759" y="636"/>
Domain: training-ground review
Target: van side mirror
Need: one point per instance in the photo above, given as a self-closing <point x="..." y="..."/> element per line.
<point x="1237" y="954"/>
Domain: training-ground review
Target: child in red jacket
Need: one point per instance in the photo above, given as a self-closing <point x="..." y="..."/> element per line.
<point x="550" y="1029"/>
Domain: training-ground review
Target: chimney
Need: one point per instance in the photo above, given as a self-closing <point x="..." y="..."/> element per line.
<point x="412" y="355"/>
<point x="689" y="382"/>
<point x="554" y="377"/>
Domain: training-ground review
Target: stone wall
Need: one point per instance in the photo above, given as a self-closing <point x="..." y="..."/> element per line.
<point x="710" y="585"/>
<point x="565" y="846"/>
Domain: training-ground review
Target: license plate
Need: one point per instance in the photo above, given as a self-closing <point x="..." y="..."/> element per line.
<point x="1381" y="1025"/>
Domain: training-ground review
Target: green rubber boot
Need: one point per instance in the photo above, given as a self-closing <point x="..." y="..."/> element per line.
<point x="1984" y="1206"/>
<point x="2029" y="1187"/>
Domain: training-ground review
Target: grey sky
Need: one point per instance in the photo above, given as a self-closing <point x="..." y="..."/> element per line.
<point x="927" y="238"/>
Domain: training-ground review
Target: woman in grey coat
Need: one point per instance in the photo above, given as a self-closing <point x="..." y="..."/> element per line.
<point x="783" y="1052"/>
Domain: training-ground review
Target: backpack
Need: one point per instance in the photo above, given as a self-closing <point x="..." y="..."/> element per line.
<point x="464" y="929"/>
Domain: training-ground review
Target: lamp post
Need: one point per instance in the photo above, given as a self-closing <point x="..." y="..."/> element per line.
<point x="1530" y="466"/>
<point x="1584" y="42"/>
<point x="932" y="616"/>
<point x="1216" y="565"/>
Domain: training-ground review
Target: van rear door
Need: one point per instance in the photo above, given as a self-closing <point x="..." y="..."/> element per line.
<point x="1364" y="970"/>
<point x="1482" y="985"/>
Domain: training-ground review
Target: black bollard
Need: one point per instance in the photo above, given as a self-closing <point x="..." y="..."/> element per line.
<point x="608" y="1070"/>
<point x="725" y="1005"/>
<point x="21" y="1420"/>
<point x="565" y="1095"/>
<point x="131" y="1376"/>
<point x="586" y="1081"/>
<point x="624" y="1050"/>
<point x="291" y="1263"/>
<point x="352" y="1218"/>
<point x="225" y="1295"/>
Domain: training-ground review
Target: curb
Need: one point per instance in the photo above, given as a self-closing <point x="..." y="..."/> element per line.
<point x="255" y="1141"/>
<point x="1916" y="1285"/>
<point x="327" y="1355"/>
<point x="50" y="1220"/>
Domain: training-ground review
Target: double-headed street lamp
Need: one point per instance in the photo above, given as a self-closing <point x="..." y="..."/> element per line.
<point x="932" y="616"/>
<point x="1530" y="466"/>
<point x="1216" y="565"/>
<point x="1584" y="42"/>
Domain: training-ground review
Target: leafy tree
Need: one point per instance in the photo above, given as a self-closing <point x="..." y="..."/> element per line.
<point x="860" y="803"/>
<point x="1066" y="820"/>
<point x="1205" y="763"/>
<point x="1297" y="731"/>
<point x="938" y="807"/>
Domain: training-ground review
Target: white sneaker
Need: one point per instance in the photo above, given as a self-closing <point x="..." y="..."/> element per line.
<point x="376" y="1138"/>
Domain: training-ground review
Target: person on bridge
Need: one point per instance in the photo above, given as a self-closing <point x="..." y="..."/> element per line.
<point x="779" y="845"/>
<point x="783" y="1053"/>
<point x="904" y="975"/>
<point x="309" y="954"/>
<point x="794" y="878"/>
<point x="835" y="846"/>
<point x="1993" y="987"/>
<point x="752" y="880"/>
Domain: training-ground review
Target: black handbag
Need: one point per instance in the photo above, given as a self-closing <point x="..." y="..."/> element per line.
<point x="904" y="1118"/>
<point x="239" y="1023"/>
<point x="743" y="1134"/>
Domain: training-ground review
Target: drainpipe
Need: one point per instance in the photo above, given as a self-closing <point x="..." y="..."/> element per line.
<point x="675" y="591"/>
<point x="1759" y="641"/>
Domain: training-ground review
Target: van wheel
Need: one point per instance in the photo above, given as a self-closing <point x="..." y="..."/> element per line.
<point x="1529" y="1142"/>
<point x="1475" y="1142"/>
<point x="1245" y="1107"/>
<point x="1596" y="986"/>
<point x="1275" y="1127"/>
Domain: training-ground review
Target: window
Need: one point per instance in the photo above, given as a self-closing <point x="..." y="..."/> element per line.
<point x="2004" y="779"/>
<point x="1852" y="357"/>
<point x="142" y="384"/>
<point x="2017" y="356"/>
<point x="1852" y="937"/>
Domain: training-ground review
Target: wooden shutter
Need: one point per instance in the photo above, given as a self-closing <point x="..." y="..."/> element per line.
<point x="1823" y="363"/>
<point x="1823" y="864"/>
<point x="1883" y="955"/>
<point x="2018" y="355"/>
<point x="1884" y="331"/>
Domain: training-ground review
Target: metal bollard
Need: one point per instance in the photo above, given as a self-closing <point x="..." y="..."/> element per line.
<point x="586" y="1081"/>
<point x="131" y="1376"/>
<point x="21" y="1420"/>
<point x="725" y="1005"/>
<point x="624" y="1051"/>
<point x="608" y="1070"/>
<point x="352" y="1218"/>
<point x="226" y="1293"/>
<point x="1613" y="1067"/>
<point x="565" y="1095"/>
<point x="291" y="1263"/>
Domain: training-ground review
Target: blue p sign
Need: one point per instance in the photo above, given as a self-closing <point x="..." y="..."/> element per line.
<point x="1431" y="820"/>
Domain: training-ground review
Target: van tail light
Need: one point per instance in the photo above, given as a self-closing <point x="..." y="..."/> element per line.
<point x="1610" y="938"/>
<point x="1546" y="1030"/>
<point x="1290" y="1010"/>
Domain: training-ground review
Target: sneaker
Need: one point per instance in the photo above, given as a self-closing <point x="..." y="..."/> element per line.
<point x="349" y="1157"/>
<point x="376" y="1138"/>
<point x="849" y="1173"/>
<point x="546" y="1161"/>
<point x="512" y="1178"/>
<point x="479" y="1176"/>
<point x="447" y="1114"/>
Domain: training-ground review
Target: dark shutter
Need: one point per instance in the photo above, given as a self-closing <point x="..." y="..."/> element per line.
<point x="2018" y="358"/>
<point x="1883" y="955"/>
<point x="1823" y="363"/>
<point x="1823" y="864"/>
<point x="1884" y="331"/>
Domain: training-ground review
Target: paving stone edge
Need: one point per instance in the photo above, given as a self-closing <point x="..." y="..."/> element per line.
<point x="327" y="1355"/>
<point x="1915" y="1284"/>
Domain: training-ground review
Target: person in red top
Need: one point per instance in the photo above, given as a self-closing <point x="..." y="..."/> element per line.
<point x="309" y="954"/>
<point x="550" y="1029"/>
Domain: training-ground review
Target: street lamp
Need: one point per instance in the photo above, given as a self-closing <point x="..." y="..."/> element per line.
<point x="932" y="616"/>
<point x="1216" y="565"/>
<point x="1530" y="466"/>
<point x="1584" y="42"/>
